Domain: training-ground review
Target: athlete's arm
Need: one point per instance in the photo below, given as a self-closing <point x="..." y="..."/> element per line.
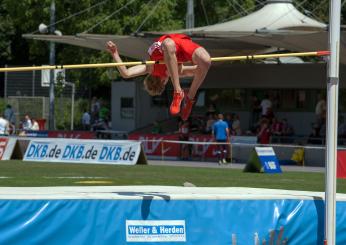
<point x="187" y="71"/>
<point x="125" y="72"/>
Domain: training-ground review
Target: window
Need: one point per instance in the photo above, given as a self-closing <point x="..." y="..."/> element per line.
<point x="127" y="110"/>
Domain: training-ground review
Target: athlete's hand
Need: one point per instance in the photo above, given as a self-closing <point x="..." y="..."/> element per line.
<point x="111" y="47"/>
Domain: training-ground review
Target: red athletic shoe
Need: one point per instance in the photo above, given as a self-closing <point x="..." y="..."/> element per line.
<point x="187" y="108"/>
<point x="177" y="99"/>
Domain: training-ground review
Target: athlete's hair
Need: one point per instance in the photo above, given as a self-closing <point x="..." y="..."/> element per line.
<point x="153" y="85"/>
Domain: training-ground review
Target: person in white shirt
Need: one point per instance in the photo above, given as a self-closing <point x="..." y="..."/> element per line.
<point x="265" y="105"/>
<point x="320" y="110"/>
<point x="86" y="118"/>
<point x="4" y="126"/>
<point x="236" y="125"/>
<point x="27" y="124"/>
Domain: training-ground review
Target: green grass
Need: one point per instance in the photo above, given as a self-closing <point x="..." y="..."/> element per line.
<point x="45" y="174"/>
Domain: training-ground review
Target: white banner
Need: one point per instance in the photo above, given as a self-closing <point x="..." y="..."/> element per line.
<point x="45" y="76"/>
<point x="83" y="151"/>
<point x="155" y="231"/>
<point x="265" y="151"/>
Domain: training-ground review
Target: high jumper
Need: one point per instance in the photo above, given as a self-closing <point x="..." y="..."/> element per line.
<point x="173" y="49"/>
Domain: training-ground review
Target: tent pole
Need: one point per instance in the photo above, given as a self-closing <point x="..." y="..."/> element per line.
<point x="190" y="16"/>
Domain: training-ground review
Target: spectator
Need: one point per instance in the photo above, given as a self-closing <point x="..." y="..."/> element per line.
<point x="314" y="137"/>
<point x="103" y="111"/>
<point x="342" y="127"/>
<point x="184" y="135"/>
<point x="95" y="108"/>
<point x="264" y="132"/>
<point x="197" y="124"/>
<point x="9" y="115"/>
<point x="342" y="130"/>
<point x="100" y="125"/>
<point x="211" y="110"/>
<point x="102" y="121"/>
<point x="287" y="129"/>
<point x="236" y="125"/>
<point x="86" y="120"/>
<point x="27" y="124"/>
<point x="4" y="126"/>
<point x="229" y="120"/>
<point x="209" y="124"/>
<point x="320" y="110"/>
<point x="35" y="126"/>
<point x="256" y="111"/>
<point x="156" y="129"/>
<point x="266" y="104"/>
<point x="270" y="114"/>
<point x="276" y="127"/>
<point x="323" y="129"/>
<point x="221" y="135"/>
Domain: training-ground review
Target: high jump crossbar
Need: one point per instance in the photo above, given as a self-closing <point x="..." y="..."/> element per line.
<point x="133" y="63"/>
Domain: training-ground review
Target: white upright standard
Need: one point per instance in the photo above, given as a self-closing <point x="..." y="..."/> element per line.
<point x="332" y="121"/>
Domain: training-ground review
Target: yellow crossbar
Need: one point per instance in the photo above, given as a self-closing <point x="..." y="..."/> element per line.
<point x="215" y="59"/>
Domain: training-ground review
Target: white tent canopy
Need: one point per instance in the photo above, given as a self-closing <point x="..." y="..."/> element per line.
<point x="275" y="15"/>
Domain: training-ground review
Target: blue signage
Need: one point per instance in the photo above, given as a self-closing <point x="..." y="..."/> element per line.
<point x="268" y="160"/>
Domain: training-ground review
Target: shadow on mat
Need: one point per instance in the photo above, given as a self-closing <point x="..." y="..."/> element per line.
<point x="147" y="199"/>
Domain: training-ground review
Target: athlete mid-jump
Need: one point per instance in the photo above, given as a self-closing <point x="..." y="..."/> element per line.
<point x="172" y="49"/>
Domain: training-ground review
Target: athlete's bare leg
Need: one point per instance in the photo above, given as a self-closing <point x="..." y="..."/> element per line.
<point x="202" y="59"/>
<point x="170" y="58"/>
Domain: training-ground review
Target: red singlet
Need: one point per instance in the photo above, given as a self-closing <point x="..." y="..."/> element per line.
<point x="184" y="51"/>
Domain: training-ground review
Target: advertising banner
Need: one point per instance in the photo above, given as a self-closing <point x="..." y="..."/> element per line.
<point x="268" y="159"/>
<point x="155" y="231"/>
<point x="341" y="164"/>
<point x="7" y="145"/>
<point x="83" y="151"/>
<point x="3" y="144"/>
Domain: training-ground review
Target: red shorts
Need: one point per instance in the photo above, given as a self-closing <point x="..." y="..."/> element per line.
<point x="185" y="48"/>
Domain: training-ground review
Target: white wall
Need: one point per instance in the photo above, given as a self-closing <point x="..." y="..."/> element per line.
<point x="122" y="89"/>
<point x="144" y="112"/>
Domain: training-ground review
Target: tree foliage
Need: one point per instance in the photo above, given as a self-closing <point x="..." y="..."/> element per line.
<point x="6" y="33"/>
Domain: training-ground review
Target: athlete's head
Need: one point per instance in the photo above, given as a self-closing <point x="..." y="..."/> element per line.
<point x="220" y="116"/>
<point x="154" y="85"/>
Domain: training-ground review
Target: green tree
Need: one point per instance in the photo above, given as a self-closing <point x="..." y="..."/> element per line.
<point x="6" y="32"/>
